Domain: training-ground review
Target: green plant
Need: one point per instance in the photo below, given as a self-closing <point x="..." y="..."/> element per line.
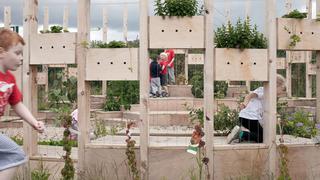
<point x="55" y="29"/>
<point x="225" y="118"/>
<point x="220" y="87"/>
<point x="130" y="153"/>
<point x="111" y="44"/>
<point x="181" y="79"/>
<point x="242" y="35"/>
<point x="17" y="139"/>
<point x="196" y="115"/>
<point x="176" y="8"/>
<point x="41" y="173"/>
<point x="295" y="14"/>
<point x="68" y="170"/>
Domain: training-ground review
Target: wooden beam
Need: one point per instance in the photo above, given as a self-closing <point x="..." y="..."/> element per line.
<point x="7" y="17"/>
<point x="125" y="24"/>
<point x="318" y="71"/>
<point x="209" y="71"/>
<point x="186" y="66"/>
<point x="270" y="88"/>
<point x="83" y="86"/>
<point x="65" y="18"/>
<point x="45" y="67"/>
<point x="105" y="38"/>
<point x="144" y="91"/>
<point x="308" y="77"/>
<point x="288" y="73"/>
<point x="30" y="26"/>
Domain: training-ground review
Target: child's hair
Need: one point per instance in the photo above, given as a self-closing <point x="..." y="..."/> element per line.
<point x="9" y="38"/>
<point x="281" y="81"/>
<point x="163" y="55"/>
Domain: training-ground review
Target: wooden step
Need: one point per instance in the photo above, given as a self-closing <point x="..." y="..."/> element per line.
<point x="180" y="91"/>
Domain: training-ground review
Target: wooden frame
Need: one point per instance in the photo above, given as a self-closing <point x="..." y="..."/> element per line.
<point x="176" y="32"/>
<point x="241" y="65"/>
<point x="42" y="78"/>
<point x="306" y="29"/>
<point x="112" y="64"/>
<point x="195" y="59"/>
<point x="281" y="63"/>
<point x="53" y="48"/>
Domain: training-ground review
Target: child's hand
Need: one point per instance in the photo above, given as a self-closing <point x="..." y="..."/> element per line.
<point x="39" y="126"/>
<point x="242" y="106"/>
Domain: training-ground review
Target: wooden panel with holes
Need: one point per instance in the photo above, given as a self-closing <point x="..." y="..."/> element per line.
<point x="176" y="32"/>
<point x="241" y="65"/>
<point x="195" y="58"/>
<point x="112" y="64"/>
<point x="307" y="30"/>
<point x="53" y="48"/>
<point x="299" y="56"/>
<point x="281" y="63"/>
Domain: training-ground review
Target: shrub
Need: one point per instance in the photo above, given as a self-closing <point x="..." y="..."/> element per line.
<point x="176" y="8"/>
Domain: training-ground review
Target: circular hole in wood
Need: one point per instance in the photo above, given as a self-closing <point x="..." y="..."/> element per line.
<point x="190" y="30"/>
<point x="111" y="62"/>
<point x="176" y="30"/>
<point x="312" y="32"/>
<point x="228" y="62"/>
<point x="300" y="32"/>
<point x="124" y="62"/>
<point x="51" y="47"/>
<point x="98" y="63"/>
<point x="162" y="30"/>
<point x="40" y="47"/>
<point x="254" y="63"/>
<point x="289" y="32"/>
<point x="63" y="46"/>
<point x="241" y="63"/>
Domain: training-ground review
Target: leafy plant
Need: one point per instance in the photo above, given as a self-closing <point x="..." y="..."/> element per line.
<point x="181" y="79"/>
<point x="55" y="29"/>
<point x="242" y="35"/>
<point x="176" y="8"/>
<point x="295" y="14"/>
<point x="41" y="173"/>
<point x="225" y="118"/>
<point x="113" y="44"/>
<point x="220" y="87"/>
<point x="130" y="153"/>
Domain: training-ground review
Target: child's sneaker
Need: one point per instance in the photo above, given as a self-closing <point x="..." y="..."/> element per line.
<point x="234" y="134"/>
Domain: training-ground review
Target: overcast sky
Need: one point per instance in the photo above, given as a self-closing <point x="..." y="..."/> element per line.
<point x="115" y="13"/>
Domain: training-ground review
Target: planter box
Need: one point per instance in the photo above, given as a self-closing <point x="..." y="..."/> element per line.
<point x="53" y="48"/>
<point x="281" y="63"/>
<point x="195" y="58"/>
<point x="307" y="29"/>
<point x="176" y="32"/>
<point x="241" y="65"/>
<point x="112" y="64"/>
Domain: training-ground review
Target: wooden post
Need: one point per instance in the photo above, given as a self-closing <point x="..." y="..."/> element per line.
<point x="288" y="73"/>
<point x="105" y="38"/>
<point x="7" y="17"/>
<point x="318" y="72"/>
<point x="209" y="64"/>
<point x="308" y="55"/>
<point x="30" y="26"/>
<point x="45" y="68"/>
<point x="144" y="91"/>
<point x="288" y="6"/>
<point x="65" y="18"/>
<point x="227" y="11"/>
<point x="83" y="86"/>
<point x="270" y="89"/>
<point x="247" y="12"/>
<point x="125" y="24"/>
<point x="186" y="66"/>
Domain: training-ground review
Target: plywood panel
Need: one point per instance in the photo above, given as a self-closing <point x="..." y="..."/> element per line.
<point x="281" y="63"/>
<point x="307" y="29"/>
<point x="53" y="48"/>
<point x="112" y="64"/>
<point x="195" y="58"/>
<point x="241" y="65"/>
<point x="174" y="32"/>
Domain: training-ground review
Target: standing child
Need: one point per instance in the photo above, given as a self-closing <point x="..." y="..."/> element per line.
<point x="164" y="73"/>
<point x="11" y="50"/>
<point x="155" y="70"/>
<point x="171" y="56"/>
<point x="251" y="114"/>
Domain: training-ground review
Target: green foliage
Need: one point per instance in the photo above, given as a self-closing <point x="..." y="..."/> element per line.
<point x="17" y="139"/>
<point x="68" y="170"/>
<point x="295" y="14"/>
<point x="55" y="29"/>
<point x="114" y="44"/>
<point x="281" y="53"/>
<point x="225" y="118"/>
<point x="100" y="129"/>
<point x="283" y="165"/>
<point x="176" y="8"/>
<point x="196" y="115"/>
<point x="41" y="173"/>
<point x="294" y="39"/>
<point x="298" y="79"/>
<point x="220" y="87"/>
<point x="51" y="142"/>
<point x="122" y="93"/>
<point x="242" y="35"/>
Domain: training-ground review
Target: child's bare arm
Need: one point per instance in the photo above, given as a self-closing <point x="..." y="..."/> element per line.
<point x="25" y="114"/>
<point x="247" y="99"/>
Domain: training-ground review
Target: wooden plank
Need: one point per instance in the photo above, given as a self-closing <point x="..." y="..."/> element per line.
<point x="53" y="48"/>
<point x="65" y="18"/>
<point x="144" y="89"/>
<point x="270" y="89"/>
<point x="195" y="58"/>
<point x="112" y="64"/>
<point x="208" y="96"/>
<point x="105" y="25"/>
<point x="174" y="32"/>
<point x="298" y="56"/>
<point x="30" y="26"/>
<point x="125" y="23"/>
<point x="307" y="29"/>
<point x="83" y="86"/>
<point x="7" y="17"/>
<point x="241" y="65"/>
<point x="318" y="71"/>
<point x="179" y="51"/>
<point x="186" y="66"/>
<point x="46" y="19"/>
<point x="281" y="63"/>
